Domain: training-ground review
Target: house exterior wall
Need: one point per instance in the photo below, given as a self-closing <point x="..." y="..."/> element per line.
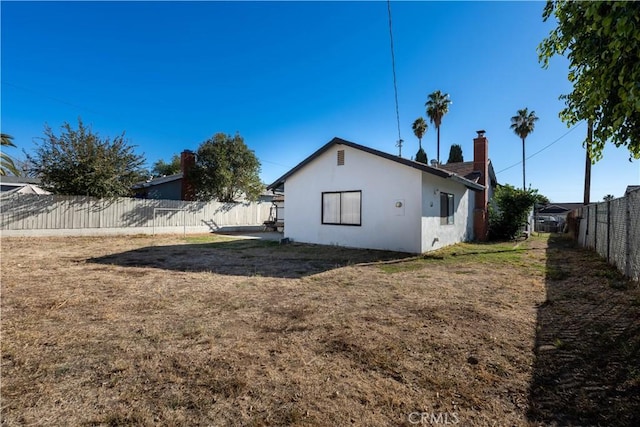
<point x="167" y="191"/>
<point x="383" y="183"/>
<point x="434" y="234"/>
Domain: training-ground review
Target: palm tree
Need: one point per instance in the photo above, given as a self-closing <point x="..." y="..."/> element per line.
<point x="419" y="129"/>
<point x="523" y="124"/>
<point x="437" y="106"/>
<point x="6" y="162"/>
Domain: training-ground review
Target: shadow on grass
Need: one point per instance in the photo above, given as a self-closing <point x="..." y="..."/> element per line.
<point x="247" y="258"/>
<point x="587" y="369"/>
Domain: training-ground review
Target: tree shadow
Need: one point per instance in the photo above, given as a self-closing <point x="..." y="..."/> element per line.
<point x="587" y="367"/>
<point x="248" y="257"/>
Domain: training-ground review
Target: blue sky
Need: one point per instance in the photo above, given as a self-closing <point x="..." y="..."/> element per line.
<point x="289" y="76"/>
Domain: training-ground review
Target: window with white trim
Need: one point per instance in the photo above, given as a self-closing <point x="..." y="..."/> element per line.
<point x="341" y="207"/>
<point x="446" y="208"/>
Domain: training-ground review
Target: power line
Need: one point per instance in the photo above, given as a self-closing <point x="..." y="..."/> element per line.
<point x="542" y="149"/>
<point x="395" y="84"/>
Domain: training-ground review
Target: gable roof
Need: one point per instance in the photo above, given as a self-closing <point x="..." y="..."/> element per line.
<point x="9" y="179"/>
<point x="560" y="207"/>
<point x="157" y="181"/>
<point x="465" y="169"/>
<point x="278" y="183"/>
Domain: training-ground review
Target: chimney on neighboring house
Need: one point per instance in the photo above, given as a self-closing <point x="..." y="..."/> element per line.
<point x="481" y="164"/>
<point x="187" y="161"/>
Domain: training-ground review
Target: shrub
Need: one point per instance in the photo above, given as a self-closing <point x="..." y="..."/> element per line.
<point x="509" y="211"/>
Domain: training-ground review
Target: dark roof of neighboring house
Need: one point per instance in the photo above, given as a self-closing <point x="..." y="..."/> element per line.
<point x="631" y="188"/>
<point x="8" y="179"/>
<point x="465" y="169"/>
<point x="560" y="207"/>
<point x="413" y="164"/>
<point x="157" y="181"/>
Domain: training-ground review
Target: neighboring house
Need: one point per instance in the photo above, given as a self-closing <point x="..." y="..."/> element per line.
<point x="467" y="170"/>
<point x="20" y="185"/>
<point x="176" y="187"/>
<point x="350" y="195"/>
<point x="171" y="187"/>
<point x="552" y="217"/>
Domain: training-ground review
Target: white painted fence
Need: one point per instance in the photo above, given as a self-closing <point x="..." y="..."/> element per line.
<point x="613" y="230"/>
<point x="41" y="215"/>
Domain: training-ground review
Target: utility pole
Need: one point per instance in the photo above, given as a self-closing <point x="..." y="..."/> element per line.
<point x="587" y="165"/>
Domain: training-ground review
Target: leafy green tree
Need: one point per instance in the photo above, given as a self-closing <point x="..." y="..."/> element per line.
<point x="226" y="170"/>
<point x="509" y="212"/>
<point x="523" y="124"/>
<point x="6" y="162"/>
<point x="80" y="162"/>
<point x="421" y="156"/>
<point x="542" y="200"/>
<point x="602" y="42"/>
<point x="437" y="107"/>
<point x="608" y="197"/>
<point x="455" y="154"/>
<point x="419" y="129"/>
<point x="161" y="168"/>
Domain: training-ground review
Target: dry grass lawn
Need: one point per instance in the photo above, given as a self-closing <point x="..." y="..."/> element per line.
<point x="213" y="331"/>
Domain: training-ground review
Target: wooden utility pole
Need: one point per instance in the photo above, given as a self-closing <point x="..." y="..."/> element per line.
<point x="587" y="165"/>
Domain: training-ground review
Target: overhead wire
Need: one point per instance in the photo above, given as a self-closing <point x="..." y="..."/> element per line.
<point x="542" y="149"/>
<point x="395" y="82"/>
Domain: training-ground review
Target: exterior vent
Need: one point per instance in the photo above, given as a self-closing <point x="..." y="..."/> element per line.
<point x="340" y="157"/>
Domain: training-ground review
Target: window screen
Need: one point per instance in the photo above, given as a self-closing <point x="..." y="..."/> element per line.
<point x="446" y="208"/>
<point x="341" y="208"/>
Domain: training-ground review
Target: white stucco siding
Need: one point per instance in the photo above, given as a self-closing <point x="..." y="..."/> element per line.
<point x="434" y="234"/>
<point x="383" y="183"/>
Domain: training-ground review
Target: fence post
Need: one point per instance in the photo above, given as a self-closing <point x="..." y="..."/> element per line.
<point x="595" y="231"/>
<point x="609" y="231"/>
<point x="627" y="240"/>
<point x="586" y="230"/>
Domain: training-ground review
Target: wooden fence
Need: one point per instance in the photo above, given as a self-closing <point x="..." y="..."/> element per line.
<point x="30" y="214"/>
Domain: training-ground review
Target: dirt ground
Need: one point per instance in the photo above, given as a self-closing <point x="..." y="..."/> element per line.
<point x="207" y="330"/>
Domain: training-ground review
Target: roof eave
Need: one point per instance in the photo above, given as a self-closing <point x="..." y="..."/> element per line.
<point x="279" y="183"/>
<point x="467" y="183"/>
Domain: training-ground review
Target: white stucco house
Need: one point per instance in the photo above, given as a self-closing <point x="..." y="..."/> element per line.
<point x="351" y="195"/>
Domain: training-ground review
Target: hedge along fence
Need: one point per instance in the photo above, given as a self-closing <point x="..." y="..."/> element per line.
<point x="32" y="214"/>
<point x="612" y="229"/>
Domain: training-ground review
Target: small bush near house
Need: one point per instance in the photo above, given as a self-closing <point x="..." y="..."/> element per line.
<point x="509" y="211"/>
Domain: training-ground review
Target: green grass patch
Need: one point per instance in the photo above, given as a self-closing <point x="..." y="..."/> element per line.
<point x="499" y="253"/>
<point x="402" y="266"/>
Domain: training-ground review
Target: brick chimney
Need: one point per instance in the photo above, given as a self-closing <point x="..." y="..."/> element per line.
<point x="187" y="161"/>
<point x="481" y="164"/>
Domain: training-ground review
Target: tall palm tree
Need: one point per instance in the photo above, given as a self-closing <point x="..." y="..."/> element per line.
<point x="419" y="129"/>
<point x="6" y="162"/>
<point x="523" y="124"/>
<point x="437" y="106"/>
